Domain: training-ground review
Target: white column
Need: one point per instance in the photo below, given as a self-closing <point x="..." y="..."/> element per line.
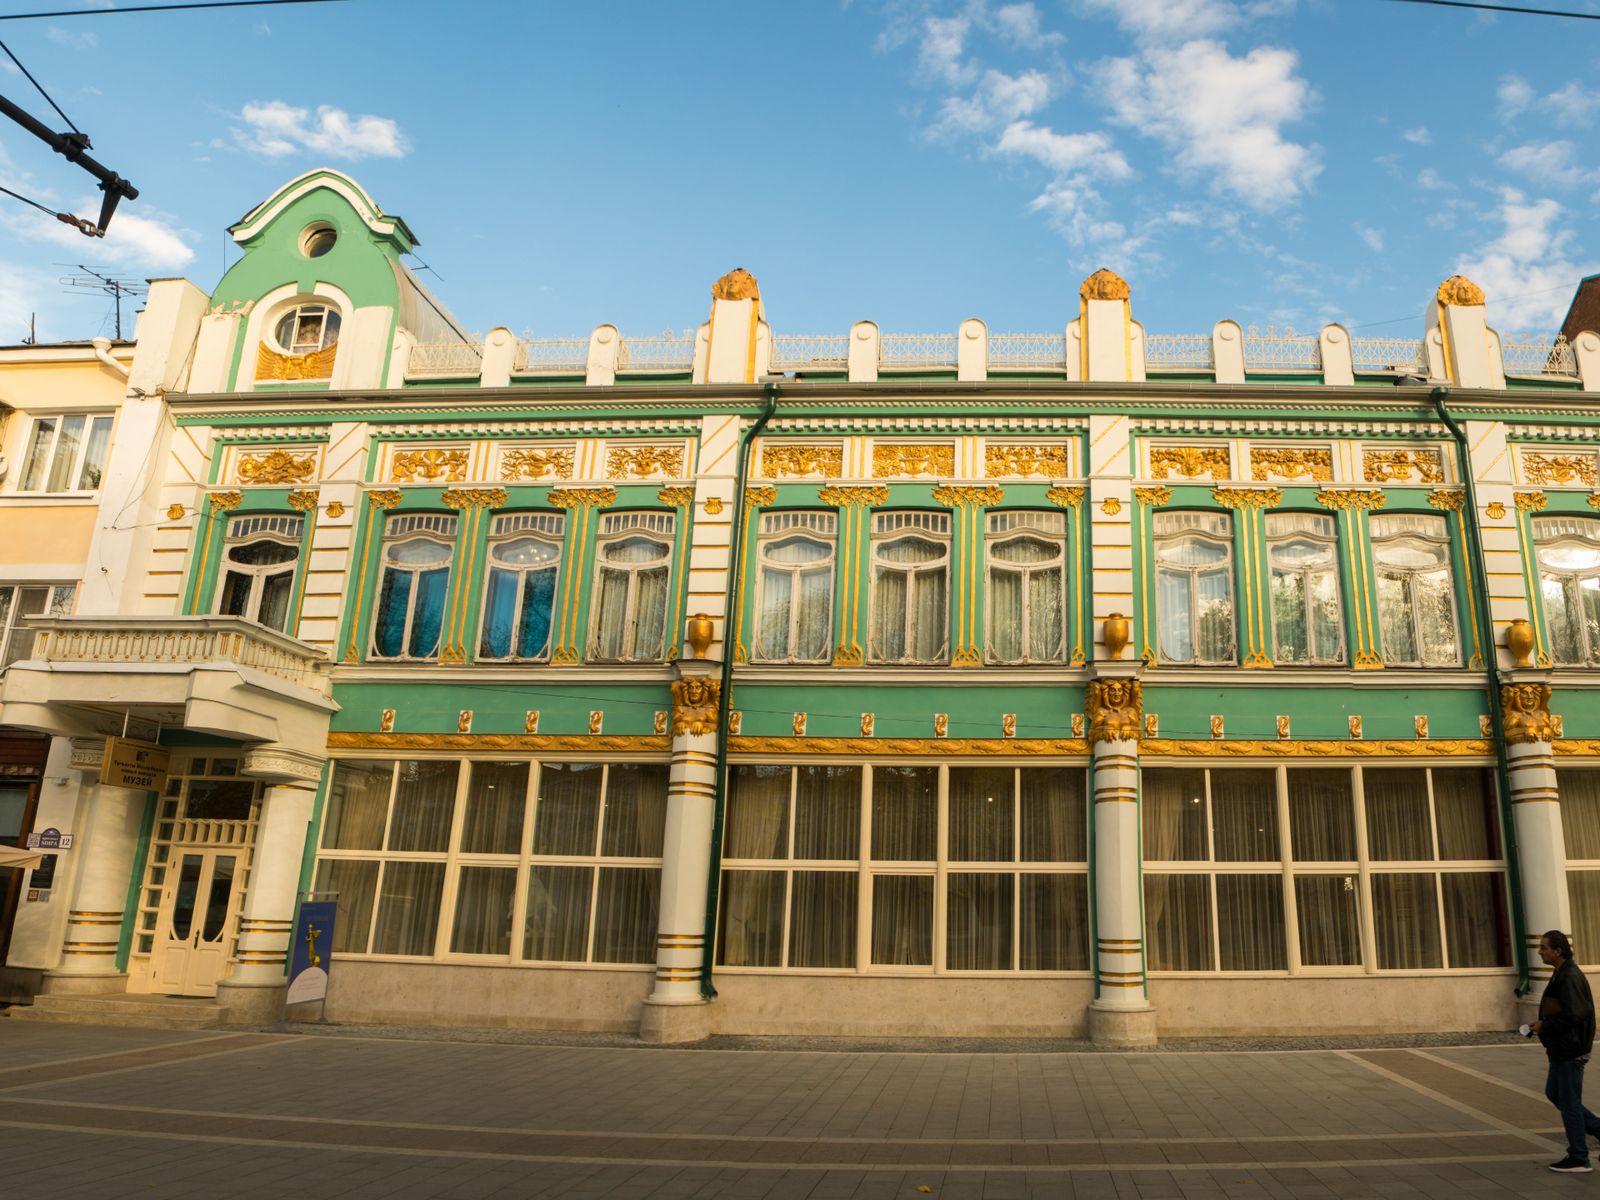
<point x="1121" y="1013"/>
<point x="104" y="844"/>
<point x="676" y="1011"/>
<point x="1536" y="818"/>
<point x="254" y="989"/>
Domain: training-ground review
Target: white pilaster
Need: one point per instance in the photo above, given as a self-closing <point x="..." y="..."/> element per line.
<point x="499" y="352"/>
<point x="605" y="344"/>
<point x="1227" y="352"/>
<point x="972" y="351"/>
<point x="865" y="345"/>
<point x="1338" y="358"/>
<point x="1536" y="818"/>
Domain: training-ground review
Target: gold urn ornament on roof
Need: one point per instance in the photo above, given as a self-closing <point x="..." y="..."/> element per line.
<point x="1459" y="290"/>
<point x="737" y="284"/>
<point x="1104" y="284"/>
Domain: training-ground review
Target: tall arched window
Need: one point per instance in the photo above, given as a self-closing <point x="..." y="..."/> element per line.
<point x="1416" y="592"/>
<point x="1027" y="586"/>
<point x="910" y="587"/>
<point x="1194" y="587"/>
<point x="633" y="569"/>
<point x="520" y="594"/>
<point x="1568" y="550"/>
<point x="259" y="556"/>
<point x="794" y="601"/>
<point x="1307" y="624"/>
<point x="412" y="585"/>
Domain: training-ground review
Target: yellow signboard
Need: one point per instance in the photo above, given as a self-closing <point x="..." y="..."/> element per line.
<point x="130" y="763"/>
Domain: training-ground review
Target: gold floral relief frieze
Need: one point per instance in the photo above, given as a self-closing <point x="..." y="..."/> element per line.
<point x="473" y="497"/>
<point x="759" y="497"/>
<point x="1191" y="462"/>
<point x="792" y="460"/>
<point x="1446" y="501"/>
<point x="853" y="497"/>
<point x="1152" y="497"/>
<point x="1530" y="501"/>
<point x="1005" y="461"/>
<point x="1294" y="462"/>
<point x="582" y="497"/>
<point x="384" y="498"/>
<point x="536" y="464"/>
<point x="1352" y="499"/>
<point x="277" y="466"/>
<point x="282" y="368"/>
<point x="892" y="460"/>
<point x="1402" y="466"/>
<point x="1065" y="497"/>
<point x="968" y="497"/>
<point x="876" y="746"/>
<point x="1559" y="468"/>
<point x="678" y="497"/>
<point x="436" y="464"/>
<point x="499" y="741"/>
<point x="644" y="462"/>
<point x="303" y="500"/>
<point x="225" y="501"/>
<point x="1379" y="748"/>
<point x="1247" y="497"/>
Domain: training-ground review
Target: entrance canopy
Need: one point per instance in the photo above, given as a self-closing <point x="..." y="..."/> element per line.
<point x="12" y="856"/>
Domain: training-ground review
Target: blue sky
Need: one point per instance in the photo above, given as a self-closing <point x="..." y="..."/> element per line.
<point x="1285" y="162"/>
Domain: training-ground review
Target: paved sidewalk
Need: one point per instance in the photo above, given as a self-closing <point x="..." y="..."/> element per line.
<point x="109" y="1113"/>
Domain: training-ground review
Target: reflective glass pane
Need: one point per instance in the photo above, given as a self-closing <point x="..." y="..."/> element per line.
<point x="902" y="920"/>
<point x="751" y="930"/>
<point x="217" y="898"/>
<point x="408" y="908"/>
<point x="185" y="896"/>
<point x="557" y="921"/>
<point x="567" y="818"/>
<point x="1330" y="928"/>
<point x="484" y="900"/>
<point x="496" y="799"/>
<point x="979" y="922"/>
<point x="822" y="919"/>
<point x="1055" y="923"/>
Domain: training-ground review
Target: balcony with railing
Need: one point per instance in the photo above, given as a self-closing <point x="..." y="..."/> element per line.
<point x="445" y="360"/>
<point x="1526" y="354"/>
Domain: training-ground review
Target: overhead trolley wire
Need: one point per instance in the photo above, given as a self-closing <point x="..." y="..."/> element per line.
<point x="42" y="92"/>
<point x="1505" y="8"/>
<point x="140" y="8"/>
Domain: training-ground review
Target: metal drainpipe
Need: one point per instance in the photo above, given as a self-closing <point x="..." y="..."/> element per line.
<point x="730" y="636"/>
<point x="1479" y="583"/>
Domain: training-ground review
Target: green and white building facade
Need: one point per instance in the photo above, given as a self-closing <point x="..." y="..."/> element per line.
<point x="1095" y="682"/>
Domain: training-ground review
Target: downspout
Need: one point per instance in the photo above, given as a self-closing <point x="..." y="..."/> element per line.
<point x="1479" y="584"/>
<point x="102" y="351"/>
<point x="730" y="636"/>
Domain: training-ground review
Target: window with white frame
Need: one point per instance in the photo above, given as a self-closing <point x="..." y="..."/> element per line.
<point x="919" y="868"/>
<point x="18" y="602"/>
<point x="1027" y="586"/>
<point x="794" y="589"/>
<point x="307" y="328"/>
<point x="413" y="582"/>
<point x="259" y="557"/>
<point x="633" y="571"/>
<point x="910" y="587"/>
<point x="1416" y="590"/>
<point x="1194" y="587"/>
<point x="1307" y="621"/>
<point x="1250" y="870"/>
<point x="1579" y="788"/>
<point x="509" y="861"/>
<point x="66" y="453"/>
<point x="520" y="591"/>
<point x="1568" y="550"/>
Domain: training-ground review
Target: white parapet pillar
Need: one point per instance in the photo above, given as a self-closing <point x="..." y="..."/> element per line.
<point x="1108" y="343"/>
<point x="1121" y="1013"/>
<point x="972" y="351"/>
<point x="1227" y="352"/>
<point x="865" y="347"/>
<point x="499" y="358"/>
<point x="738" y="345"/>
<point x="605" y="345"/>
<point x="104" y="845"/>
<point x="1471" y="356"/>
<point x="676" y="1010"/>
<point x="1535" y="815"/>
<point x="253" y="992"/>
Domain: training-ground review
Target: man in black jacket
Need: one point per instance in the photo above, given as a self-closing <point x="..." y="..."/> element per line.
<point x="1566" y="1030"/>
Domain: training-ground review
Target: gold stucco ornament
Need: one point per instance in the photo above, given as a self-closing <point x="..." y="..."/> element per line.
<point x="1458" y="289"/>
<point x="1114" y="708"/>
<point x="1114" y="632"/>
<point x="701" y="631"/>
<point x="737" y="284"/>
<point x="694" y="705"/>
<point x="1526" y="712"/>
<point x="1104" y="284"/>
<point x="1520" y="641"/>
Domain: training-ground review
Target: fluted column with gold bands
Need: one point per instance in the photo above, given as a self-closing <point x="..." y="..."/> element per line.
<point x="267" y="915"/>
<point x="686" y="840"/>
<point x="1536" y="816"/>
<point x="474" y="505"/>
<point x="108" y="825"/>
<point x="580" y="503"/>
<point x="378" y="502"/>
<point x="855" y="505"/>
<point x="1114" y="706"/>
<point x="968" y="505"/>
<point x="1352" y="505"/>
<point x="1250" y="539"/>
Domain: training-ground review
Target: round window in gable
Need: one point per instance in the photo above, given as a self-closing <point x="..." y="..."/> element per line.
<point x="318" y="240"/>
<point x="307" y="328"/>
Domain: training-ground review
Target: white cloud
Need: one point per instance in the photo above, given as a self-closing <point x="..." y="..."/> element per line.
<point x="1089" y="153"/>
<point x="145" y="242"/>
<point x="1418" y="136"/>
<point x="1553" y="162"/>
<point x="1515" y="94"/>
<point x="276" y="129"/>
<point x="84" y="40"/>
<point x="942" y="45"/>
<point x="1572" y="106"/>
<point x="1528" y="273"/>
<point x="1167" y="18"/>
<point x="1372" y="237"/>
<point x="1020" y="25"/>
<point x="998" y="99"/>
<point x="1220" y="115"/>
<point x="1432" y="181"/>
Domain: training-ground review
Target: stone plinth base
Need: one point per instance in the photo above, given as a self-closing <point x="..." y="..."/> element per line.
<point x="107" y="984"/>
<point x="252" y="1003"/>
<point x="674" y="1024"/>
<point x="1122" y="1026"/>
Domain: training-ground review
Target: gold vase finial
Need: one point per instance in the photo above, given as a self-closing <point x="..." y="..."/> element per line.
<point x="701" y="631"/>
<point x="1520" y="641"/>
<point x="1114" y="632"/>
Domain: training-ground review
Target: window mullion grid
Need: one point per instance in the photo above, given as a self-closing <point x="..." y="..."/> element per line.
<point x="445" y="933"/>
<point x="1369" y="938"/>
<point x="523" y="865"/>
<point x="1291" y="902"/>
<point x="1438" y="875"/>
<point x="1211" y="880"/>
<point x="1016" y="869"/>
<point x="941" y="873"/>
<point x="864" y="868"/>
<point x="594" y="860"/>
<point x="788" y="870"/>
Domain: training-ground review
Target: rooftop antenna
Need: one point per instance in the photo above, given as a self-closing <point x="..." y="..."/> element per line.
<point x="93" y="281"/>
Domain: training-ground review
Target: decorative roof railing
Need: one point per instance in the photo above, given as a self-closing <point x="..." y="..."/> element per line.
<point x="1387" y="354"/>
<point x="1274" y="349"/>
<point x="669" y="352"/>
<point x="1175" y="350"/>
<point x="1524" y="354"/>
<point x="917" y="349"/>
<point x="445" y="358"/>
<point x="1028" y="350"/>
<point x="810" y="351"/>
<point x="551" y="354"/>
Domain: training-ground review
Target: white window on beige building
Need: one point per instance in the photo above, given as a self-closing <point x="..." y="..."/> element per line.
<point x="66" y="453"/>
<point x="19" y="601"/>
